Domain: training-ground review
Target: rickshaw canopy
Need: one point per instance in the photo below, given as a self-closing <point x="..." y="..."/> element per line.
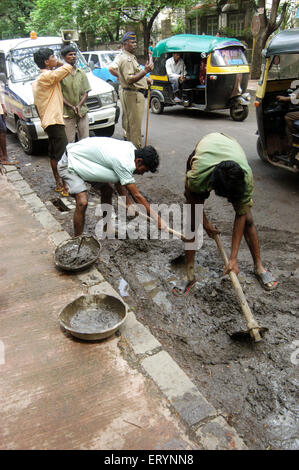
<point x="285" y="42"/>
<point x="193" y="43"/>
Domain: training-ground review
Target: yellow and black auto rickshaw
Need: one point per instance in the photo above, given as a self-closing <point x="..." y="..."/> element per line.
<point x="276" y="143"/>
<point x="217" y="75"/>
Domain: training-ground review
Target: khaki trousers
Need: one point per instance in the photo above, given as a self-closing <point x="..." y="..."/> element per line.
<point x="133" y="102"/>
<point x="80" y="125"/>
<point x="124" y="116"/>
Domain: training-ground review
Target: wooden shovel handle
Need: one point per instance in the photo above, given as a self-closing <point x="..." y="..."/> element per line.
<point x="150" y="219"/>
<point x="251" y="322"/>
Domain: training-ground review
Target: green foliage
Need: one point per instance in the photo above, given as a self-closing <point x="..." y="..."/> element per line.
<point x="14" y="17"/>
<point x="105" y="19"/>
<point x="179" y="28"/>
<point x="50" y="16"/>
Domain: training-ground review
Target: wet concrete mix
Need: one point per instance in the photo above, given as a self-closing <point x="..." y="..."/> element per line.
<point x="253" y="385"/>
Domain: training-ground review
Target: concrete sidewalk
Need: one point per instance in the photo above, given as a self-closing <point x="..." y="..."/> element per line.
<point x="56" y="392"/>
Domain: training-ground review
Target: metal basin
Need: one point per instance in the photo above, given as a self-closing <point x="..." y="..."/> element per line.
<point x="93" y="317"/>
<point x="77" y="253"/>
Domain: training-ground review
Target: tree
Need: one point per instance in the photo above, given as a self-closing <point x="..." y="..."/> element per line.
<point x="146" y="11"/>
<point x="269" y="24"/>
<point x="14" y="17"/>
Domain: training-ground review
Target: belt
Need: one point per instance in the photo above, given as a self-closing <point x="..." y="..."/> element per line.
<point x="141" y="90"/>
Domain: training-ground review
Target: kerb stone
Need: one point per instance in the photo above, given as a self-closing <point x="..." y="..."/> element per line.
<point x="178" y="388"/>
<point x="139" y="337"/>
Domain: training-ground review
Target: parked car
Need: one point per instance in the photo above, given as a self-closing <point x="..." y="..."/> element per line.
<point x="17" y="72"/>
<point x="99" y="61"/>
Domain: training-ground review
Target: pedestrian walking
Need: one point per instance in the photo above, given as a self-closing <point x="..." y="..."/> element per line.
<point x="75" y="88"/>
<point x="134" y="88"/>
<point x="48" y="100"/>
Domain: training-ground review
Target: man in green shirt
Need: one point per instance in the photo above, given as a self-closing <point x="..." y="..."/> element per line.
<point x="219" y="163"/>
<point x="75" y="88"/>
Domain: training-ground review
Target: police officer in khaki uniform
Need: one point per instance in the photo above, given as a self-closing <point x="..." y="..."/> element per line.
<point x="134" y="88"/>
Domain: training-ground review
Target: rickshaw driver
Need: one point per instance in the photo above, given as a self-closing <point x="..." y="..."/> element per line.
<point x="289" y="117"/>
<point x="219" y="163"/>
<point x="176" y="71"/>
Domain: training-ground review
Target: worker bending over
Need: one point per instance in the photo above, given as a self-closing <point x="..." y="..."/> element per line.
<point x="103" y="161"/>
<point x="219" y="163"/>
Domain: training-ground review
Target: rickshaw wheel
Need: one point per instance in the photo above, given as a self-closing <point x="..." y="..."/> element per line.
<point x="239" y="113"/>
<point x="157" y="106"/>
<point x="260" y="150"/>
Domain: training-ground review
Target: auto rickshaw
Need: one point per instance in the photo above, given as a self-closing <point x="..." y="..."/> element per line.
<point x="280" y="74"/>
<point x="217" y="75"/>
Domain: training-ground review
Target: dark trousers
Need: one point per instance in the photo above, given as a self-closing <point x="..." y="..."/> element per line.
<point x="57" y="141"/>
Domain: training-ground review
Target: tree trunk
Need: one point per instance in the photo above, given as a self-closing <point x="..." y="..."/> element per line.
<point x="146" y="39"/>
<point x="91" y="41"/>
<point x="256" y="64"/>
<point x="268" y="26"/>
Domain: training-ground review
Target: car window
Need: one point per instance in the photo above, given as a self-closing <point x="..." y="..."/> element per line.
<point x="23" y="67"/>
<point x="107" y="58"/>
<point x="95" y="59"/>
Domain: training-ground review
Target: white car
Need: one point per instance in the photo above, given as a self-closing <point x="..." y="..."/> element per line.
<point x="99" y="62"/>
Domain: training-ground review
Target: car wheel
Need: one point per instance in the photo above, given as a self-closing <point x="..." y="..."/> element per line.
<point x="156" y="105"/>
<point x="260" y="150"/>
<point x="239" y="113"/>
<point x="25" y="138"/>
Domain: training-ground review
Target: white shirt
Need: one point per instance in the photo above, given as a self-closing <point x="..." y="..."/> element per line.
<point x="103" y="160"/>
<point x="175" y="69"/>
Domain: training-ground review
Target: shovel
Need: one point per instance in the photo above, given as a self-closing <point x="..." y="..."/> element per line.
<point x="150" y="219"/>
<point x="252" y="326"/>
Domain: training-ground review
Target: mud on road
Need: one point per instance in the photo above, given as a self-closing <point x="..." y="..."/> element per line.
<point x="253" y="385"/>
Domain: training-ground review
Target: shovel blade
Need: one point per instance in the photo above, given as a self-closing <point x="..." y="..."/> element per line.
<point x="246" y="334"/>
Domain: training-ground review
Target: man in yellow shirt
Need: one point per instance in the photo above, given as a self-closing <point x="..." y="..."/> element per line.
<point x="48" y="100"/>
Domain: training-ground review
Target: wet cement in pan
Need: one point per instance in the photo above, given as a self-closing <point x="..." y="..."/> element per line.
<point x="69" y="256"/>
<point x="253" y="385"/>
<point x="94" y="320"/>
